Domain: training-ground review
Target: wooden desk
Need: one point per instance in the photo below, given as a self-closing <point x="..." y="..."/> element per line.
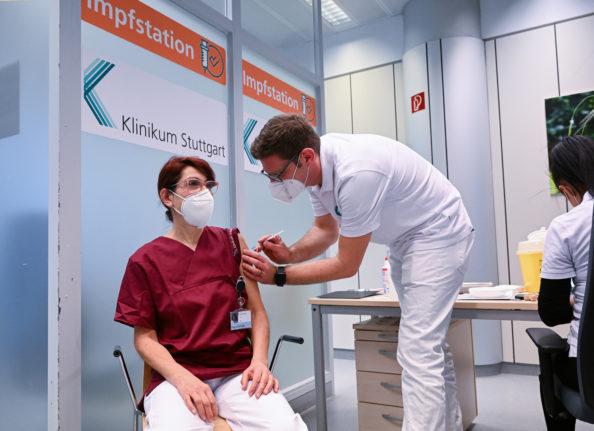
<point x="382" y="306"/>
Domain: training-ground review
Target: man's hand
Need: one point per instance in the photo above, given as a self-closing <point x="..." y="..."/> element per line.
<point x="257" y="267"/>
<point x="274" y="248"/>
<point x="198" y="397"/>
<point x="262" y="380"/>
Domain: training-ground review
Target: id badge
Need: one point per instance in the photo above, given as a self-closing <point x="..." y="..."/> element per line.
<point x="241" y="319"/>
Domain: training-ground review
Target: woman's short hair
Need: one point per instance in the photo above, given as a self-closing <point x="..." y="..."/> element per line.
<point x="285" y="135"/>
<point x="171" y="174"/>
<point x="572" y="160"/>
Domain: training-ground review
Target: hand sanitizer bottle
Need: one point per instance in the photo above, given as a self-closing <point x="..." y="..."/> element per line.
<point x="386" y="276"/>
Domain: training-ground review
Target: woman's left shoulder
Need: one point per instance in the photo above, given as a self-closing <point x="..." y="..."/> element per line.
<point x="222" y="233"/>
<point x="216" y="230"/>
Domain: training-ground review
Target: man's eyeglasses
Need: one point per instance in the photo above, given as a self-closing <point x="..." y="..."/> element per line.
<point x="194" y="184"/>
<point x="277" y="177"/>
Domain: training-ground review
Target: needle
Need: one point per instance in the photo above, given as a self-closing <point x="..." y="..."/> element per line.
<point x="273" y="235"/>
<point x="270" y="237"/>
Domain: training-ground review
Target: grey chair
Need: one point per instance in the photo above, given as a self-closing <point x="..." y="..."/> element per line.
<point x="551" y="346"/>
<point x="220" y="423"/>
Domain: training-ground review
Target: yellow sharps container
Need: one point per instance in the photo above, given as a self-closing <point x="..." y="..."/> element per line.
<point x="530" y="254"/>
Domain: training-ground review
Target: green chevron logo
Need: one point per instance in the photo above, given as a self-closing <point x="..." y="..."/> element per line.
<point x="96" y="71"/>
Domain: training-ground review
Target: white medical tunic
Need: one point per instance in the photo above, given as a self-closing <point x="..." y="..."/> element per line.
<point x="565" y="255"/>
<point x="375" y="184"/>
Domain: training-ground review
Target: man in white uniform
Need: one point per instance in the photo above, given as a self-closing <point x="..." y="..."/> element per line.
<point x="370" y="188"/>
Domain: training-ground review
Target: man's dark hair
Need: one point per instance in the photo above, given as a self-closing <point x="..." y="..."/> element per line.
<point x="285" y="135"/>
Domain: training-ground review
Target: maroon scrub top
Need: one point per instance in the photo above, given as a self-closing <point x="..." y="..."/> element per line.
<point x="186" y="296"/>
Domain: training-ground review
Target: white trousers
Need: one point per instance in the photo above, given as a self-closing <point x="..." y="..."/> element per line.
<point x="428" y="283"/>
<point x="166" y="410"/>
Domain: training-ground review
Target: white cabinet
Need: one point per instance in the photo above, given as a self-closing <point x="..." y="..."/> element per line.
<point x="338" y="105"/>
<point x="374" y="107"/>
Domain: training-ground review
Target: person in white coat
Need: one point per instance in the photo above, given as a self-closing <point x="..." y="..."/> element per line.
<point x="370" y="188"/>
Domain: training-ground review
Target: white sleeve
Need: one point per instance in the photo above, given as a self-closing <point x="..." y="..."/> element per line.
<point x="360" y="200"/>
<point x="556" y="259"/>
<point x="318" y="207"/>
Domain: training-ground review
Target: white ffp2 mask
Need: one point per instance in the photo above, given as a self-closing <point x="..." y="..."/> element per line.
<point x="287" y="190"/>
<point x="197" y="208"/>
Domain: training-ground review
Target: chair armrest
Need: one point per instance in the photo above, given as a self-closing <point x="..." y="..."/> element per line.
<point x="549" y="345"/>
<point x="547" y="340"/>
<point x="290" y="338"/>
<point x="117" y="353"/>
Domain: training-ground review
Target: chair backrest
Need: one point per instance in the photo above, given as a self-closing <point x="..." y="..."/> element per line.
<point x="585" y="345"/>
<point x="146" y="381"/>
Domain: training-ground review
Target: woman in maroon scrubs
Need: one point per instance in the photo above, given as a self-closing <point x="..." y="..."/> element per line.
<point x="178" y="292"/>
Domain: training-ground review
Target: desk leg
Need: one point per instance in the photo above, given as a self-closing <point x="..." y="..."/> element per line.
<point x="319" y="368"/>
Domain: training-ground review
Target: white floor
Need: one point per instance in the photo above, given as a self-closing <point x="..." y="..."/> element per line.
<point x="506" y="402"/>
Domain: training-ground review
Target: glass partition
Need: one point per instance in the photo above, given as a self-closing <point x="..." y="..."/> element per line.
<point x="286" y="25"/>
<point x="220" y="6"/>
<point x="148" y="106"/>
<point x="24" y="136"/>
<point x="287" y="307"/>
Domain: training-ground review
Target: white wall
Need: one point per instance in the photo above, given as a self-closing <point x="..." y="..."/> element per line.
<point x="426" y="20"/>
<point x="576" y="58"/>
<point x="469" y="167"/>
<point x="452" y="130"/>
<point x="500" y="17"/>
<point x="373" y="104"/>
<point x="468" y="150"/>
<point x="453" y="133"/>
<point x="515" y="78"/>
<point x="363" y="47"/>
<point x="415" y="79"/>
<point x="524" y="69"/>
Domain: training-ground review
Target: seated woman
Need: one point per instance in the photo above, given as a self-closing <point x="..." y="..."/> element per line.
<point x="565" y="256"/>
<point x="178" y="292"/>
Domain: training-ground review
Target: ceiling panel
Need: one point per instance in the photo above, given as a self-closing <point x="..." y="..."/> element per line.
<point x="363" y="12"/>
<point x="279" y="23"/>
<point x="284" y="23"/>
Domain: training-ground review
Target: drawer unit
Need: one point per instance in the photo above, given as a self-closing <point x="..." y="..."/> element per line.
<point x="379" y="380"/>
<point x="378" y="325"/>
<point x="390" y="337"/>
<point x="379" y="417"/>
<point x="379" y="388"/>
<point x="376" y="356"/>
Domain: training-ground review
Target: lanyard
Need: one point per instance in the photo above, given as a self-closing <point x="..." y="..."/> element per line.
<point x="239" y="288"/>
<point x="240" y="318"/>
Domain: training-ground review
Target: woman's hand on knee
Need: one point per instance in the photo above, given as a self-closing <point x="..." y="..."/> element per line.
<point x="198" y="397"/>
<point x="263" y="381"/>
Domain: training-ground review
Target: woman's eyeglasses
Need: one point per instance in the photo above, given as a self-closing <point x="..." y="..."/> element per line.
<point x="194" y="184"/>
